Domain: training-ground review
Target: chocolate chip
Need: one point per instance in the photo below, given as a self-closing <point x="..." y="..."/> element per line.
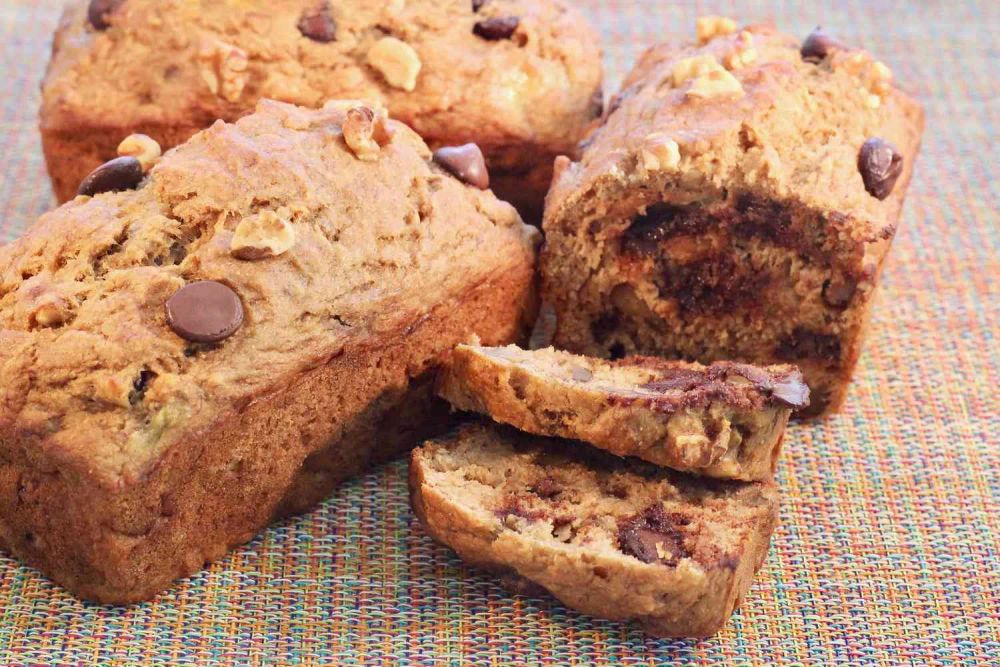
<point x="317" y="24"/>
<point x="837" y="293"/>
<point x="498" y="27"/>
<point x="653" y="535"/>
<point x="100" y="10"/>
<point x="205" y="312"/>
<point x="465" y="162"/>
<point x="478" y="4"/>
<point x="818" y="45"/>
<point x="139" y="386"/>
<point x="678" y="379"/>
<point x="547" y="488"/>
<point x="121" y="173"/>
<point x="880" y="165"/>
<point x="791" y="391"/>
<point x="806" y="344"/>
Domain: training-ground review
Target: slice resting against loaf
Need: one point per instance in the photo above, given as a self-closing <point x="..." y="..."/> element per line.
<point x="614" y="538"/>
<point x="723" y="420"/>
<point x="737" y="201"/>
<point x="189" y="352"/>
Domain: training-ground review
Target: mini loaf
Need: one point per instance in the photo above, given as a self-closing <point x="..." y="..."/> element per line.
<point x="520" y="78"/>
<point x="614" y="538"/>
<point x="724" y="420"/>
<point x="737" y="202"/>
<point x="192" y="351"/>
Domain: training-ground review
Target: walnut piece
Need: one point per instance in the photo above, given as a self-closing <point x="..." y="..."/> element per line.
<point x="707" y="28"/>
<point x="366" y="131"/>
<point x="659" y="152"/>
<point x="266" y="234"/>
<point x="224" y="68"/>
<point x="716" y="83"/>
<point x="396" y="60"/>
<point x="142" y="147"/>
<point x="689" y="68"/>
<point x="742" y="54"/>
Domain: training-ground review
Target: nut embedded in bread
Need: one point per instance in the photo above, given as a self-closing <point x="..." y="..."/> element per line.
<point x="517" y="77"/>
<point x="723" y="420"/>
<point x="255" y="320"/>
<point x="613" y="538"/>
<point x="737" y="201"/>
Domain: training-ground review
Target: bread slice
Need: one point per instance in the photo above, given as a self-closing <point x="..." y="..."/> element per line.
<point x="724" y="420"/>
<point x="614" y="538"/>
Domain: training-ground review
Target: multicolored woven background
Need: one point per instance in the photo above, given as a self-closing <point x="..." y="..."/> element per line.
<point x="888" y="550"/>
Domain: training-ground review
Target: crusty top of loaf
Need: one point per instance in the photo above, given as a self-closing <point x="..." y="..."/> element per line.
<point x="377" y="243"/>
<point x="793" y="133"/>
<point x="158" y="63"/>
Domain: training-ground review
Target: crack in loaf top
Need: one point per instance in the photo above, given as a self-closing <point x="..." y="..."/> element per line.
<point x="745" y="111"/>
<point x="87" y="356"/>
<point x="187" y="62"/>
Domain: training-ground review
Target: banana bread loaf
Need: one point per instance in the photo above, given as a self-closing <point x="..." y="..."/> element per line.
<point x="614" y="538"/>
<point x="724" y="420"/>
<point x="186" y="354"/>
<point x="737" y="202"/>
<point x="520" y="78"/>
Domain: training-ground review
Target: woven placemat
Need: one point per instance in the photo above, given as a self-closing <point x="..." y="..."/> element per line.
<point x="888" y="547"/>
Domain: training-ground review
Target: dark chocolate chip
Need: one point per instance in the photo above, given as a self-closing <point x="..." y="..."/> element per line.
<point x="465" y="162"/>
<point x="139" y="385"/>
<point x="205" y="312"/>
<point x="122" y="173"/>
<point x="837" y="293"/>
<point x="317" y="24"/>
<point x="880" y="165"/>
<point x="100" y="10"/>
<point x="818" y="45"/>
<point x="640" y="535"/>
<point x="791" y="391"/>
<point x="498" y="27"/>
<point x="478" y="4"/>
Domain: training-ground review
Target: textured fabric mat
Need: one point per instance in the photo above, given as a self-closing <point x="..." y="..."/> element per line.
<point x="888" y="547"/>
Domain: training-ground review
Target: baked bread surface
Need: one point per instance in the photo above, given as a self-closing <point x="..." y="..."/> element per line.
<point x="724" y="420"/>
<point x="171" y="67"/>
<point x="612" y="538"/>
<point x="719" y="211"/>
<point x="160" y="452"/>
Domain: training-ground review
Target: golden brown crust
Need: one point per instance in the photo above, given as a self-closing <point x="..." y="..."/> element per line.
<point x="156" y="478"/>
<point x="161" y="69"/>
<point x="721" y="214"/>
<point x="526" y="506"/>
<point x="725" y="420"/>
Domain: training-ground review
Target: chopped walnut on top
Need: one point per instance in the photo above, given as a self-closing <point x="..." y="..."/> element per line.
<point x="396" y="60"/>
<point x="224" y="68"/>
<point x="366" y="131"/>
<point x="709" y="27"/>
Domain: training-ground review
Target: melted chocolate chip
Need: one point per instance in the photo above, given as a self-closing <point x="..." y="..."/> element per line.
<point x="837" y="293"/>
<point x="547" y="488"/>
<point x="880" y="165"/>
<point x="806" y="344"/>
<point x="653" y="532"/>
<point x="678" y="379"/>
<point x="465" y="162"/>
<point x="498" y="27"/>
<point x="317" y="24"/>
<point x="818" y="45"/>
<point x="205" y="312"/>
<point x="99" y="11"/>
<point x="122" y="173"/>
